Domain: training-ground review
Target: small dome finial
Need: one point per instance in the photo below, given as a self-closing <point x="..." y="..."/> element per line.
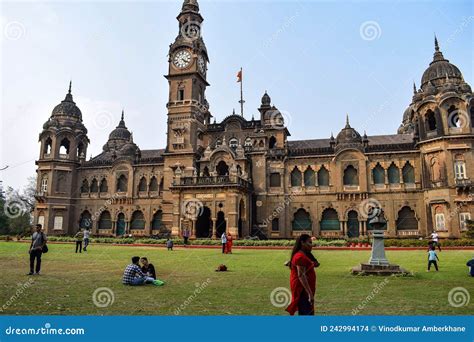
<point x="436" y="43"/>
<point x="414" y="87"/>
<point x="123" y="114"/>
<point x="70" y="86"/>
<point x="347" y="121"/>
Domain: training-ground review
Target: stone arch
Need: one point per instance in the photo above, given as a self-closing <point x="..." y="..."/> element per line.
<point x="157" y="221"/>
<point x="122" y="183"/>
<point x="393" y="174"/>
<point x="330" y="220"/>
<point x="351" y="176"/>
<point x="295" y="177"/>
<point x="85" y="220"/>
<point x="353" y="224"/>
<point x="142" y="185"/>
<point x="323" y="176"/>
<point x="64" y="147"/>
<point x="47" y="146"/>
<point x="104" y="186"/>
<point x="406" y="219"/>
<point x="94" y="186"/>
<point x="222" y="168"/>
<point x="204" y="223"/>
<point x="378" y="174"/>
<point x="105" y="220"/>
<point x="85" y="186"/>
<point x="137" y="221"/>
<point x="431" y="123"/>
<point x="302" y="221"/>
<point x="309" y="177"/>
<point x="272" y="143"/>
<point x="408" y="173"/>
<point x="154" y="184"/>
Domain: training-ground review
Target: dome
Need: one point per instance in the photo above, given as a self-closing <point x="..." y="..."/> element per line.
<point x="440" y="70"/>
<point x="266" y="100"/>
<point x="67" y="107"/>
<point x="121" y="132"/>
<point x="348" y="135"/>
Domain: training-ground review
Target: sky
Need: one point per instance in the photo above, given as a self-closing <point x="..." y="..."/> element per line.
<point x="318" y="60"/>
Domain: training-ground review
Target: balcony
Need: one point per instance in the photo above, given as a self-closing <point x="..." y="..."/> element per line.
<point x="463" y="184"/>
<point x="213" y="181"/>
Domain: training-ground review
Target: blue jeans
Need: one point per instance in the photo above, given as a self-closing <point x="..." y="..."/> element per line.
<point x="86" y="243"/>
<point x="142" y="280"/>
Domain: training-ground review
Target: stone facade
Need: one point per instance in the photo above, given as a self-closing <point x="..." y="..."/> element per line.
<point x="245" y="177"/>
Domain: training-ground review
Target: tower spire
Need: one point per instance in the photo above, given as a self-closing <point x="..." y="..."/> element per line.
<point x="436" y="43"/>
<point x="70" y="86"/>
<point x="347" y="121"/>
<point x="414" y="87"/>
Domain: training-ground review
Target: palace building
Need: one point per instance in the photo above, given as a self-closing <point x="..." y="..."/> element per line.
<point x="247" y="177"/>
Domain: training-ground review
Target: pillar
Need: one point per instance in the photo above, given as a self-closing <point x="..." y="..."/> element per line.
<point x="214" y="221"/>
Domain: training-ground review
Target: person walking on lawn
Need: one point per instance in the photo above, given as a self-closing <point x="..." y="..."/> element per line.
<point x="38" y="242"/>
<point x="432" y="257"/>
<point x="87" y="234"/>
<point x="224" y="242"/>
<point x="79" y="237"/>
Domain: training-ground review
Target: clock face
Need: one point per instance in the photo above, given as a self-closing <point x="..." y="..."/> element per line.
<point x="182" y="59"/>
<point x="202" y="65"/>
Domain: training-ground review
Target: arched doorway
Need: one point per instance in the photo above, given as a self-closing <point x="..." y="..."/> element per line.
<point x="222" y="168"/>
<point x="330" y="220"/>
<point x="121" y="225"/>
<point x="241" y="214"/>
<point x="353" y="230"/>
<point x="221" y="224"/>
<point x="204" y="224"/>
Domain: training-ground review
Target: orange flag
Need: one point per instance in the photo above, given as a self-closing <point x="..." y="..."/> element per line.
<point x="239" y="76"/>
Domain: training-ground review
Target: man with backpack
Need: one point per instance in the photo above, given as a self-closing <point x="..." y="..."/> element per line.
<point x="37" y="247"/>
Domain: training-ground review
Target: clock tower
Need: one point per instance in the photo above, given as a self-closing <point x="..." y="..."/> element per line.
<point x="188" y="109"/>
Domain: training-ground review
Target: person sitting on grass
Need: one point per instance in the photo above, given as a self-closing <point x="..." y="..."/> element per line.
<point x="470" y="264"/>
<point x="432" y="257"/>
<point x="148" y="268"/>
<point x="134" y="276"/>
<point x="169" y="244"/>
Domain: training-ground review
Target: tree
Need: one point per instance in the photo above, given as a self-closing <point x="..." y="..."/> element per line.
<point x="470" y="229"/>
<point x="16" y="209"/>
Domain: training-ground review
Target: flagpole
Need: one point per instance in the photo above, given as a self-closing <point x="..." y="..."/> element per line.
<point x="241" y="93"/>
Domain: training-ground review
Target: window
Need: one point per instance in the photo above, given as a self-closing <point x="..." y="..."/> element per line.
<point x="330" y="220"/>
<point x="58" y="222"/>
<point x="94" y="186"/>
<point x="41" y="220"/>
<point x="440" y="222"/>
<point x="103" y="186"/>
<point x="233" y="143"/>
<point x="122" y="184"/>
<point x="47" y="147"/>
<point x="138" y="220"/>
<point x="85" y="186"/>
<point x="323" y="177"/>
<point x="309" y="177"/>
<point x="407" y="219"/>
<point x="460" y="169"/>
<point x="85" y="221"/>
<point x="454" y="119"/>
<point x="378" y="174"/>
<point x="463" y="218"/>
<point x="64" y="148"/>
<point x="302" y="221"/>
<point x="430" y="120"/>
<point x="154" y="184"/>
<point x="181" y="95"/>
<point x="105" y="220"/>
<point x="408" y="174"/>
<point x="142" y="184"/>
<point x="44" y="185"/>
<point x="157" y="220"/>
<point x="295" y="177"/>
<point x="248" y="142"/>
<point x="275" y="225"/>
<point x="350" y="176"/>
<point x="275" y="180"/>
<point x="272" y="142"/>
<point x="393" y="174"/>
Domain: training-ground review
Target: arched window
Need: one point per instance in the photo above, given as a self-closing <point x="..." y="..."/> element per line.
<point x="153" y="184"/>
<point x="248" y="142"/>
<point x="302" y="221"/>
<point x="407" y="219"/>
<point x="295" y="177"/>
<point x="323" y="177"/>
<point x="44" y="184"/>
<point x="330" y="220"/>
<point x="138" y="220"/>
<point x="80" y="150"/>
<point x="275" y="225"/>
<point x="408" y="174"/>
<point x="272" y="142"/>
<point x="105" y="220"/>
<point x="233" y="143"/>
<point x="64" y="147"/>
<point x="48" y="143"/>
<point x="142" y="184"/>
<point x="393" y="174"/>
<point x="205" y="172"/>
<point x="430" y="120"/>
<point x="222" y="168"/>
<point x="309" y="177"/>
<point x="350" y="176"/>
<point x="61" y="183"/>
<point x="85" y="186"/>
<point x="103" y="186"/>
<point x="459" y="167"/>
<point x="94" y="186"/>
<point x="122" y="184"/>
<point x="454" y="119"/>
<point x="85" y="222"/>
<point x="156" y="224"/>
<point x="378" y="174"/>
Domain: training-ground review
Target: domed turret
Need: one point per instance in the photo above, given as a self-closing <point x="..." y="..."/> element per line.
<point x="120" y="141"/>
<point x="440" y="71"/>
<point x="67" y="107"/>
<point x="266" y="100"/>
<point x="348" y="135"/>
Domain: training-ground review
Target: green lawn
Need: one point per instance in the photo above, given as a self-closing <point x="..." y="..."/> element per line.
<point x="69" y="280"/>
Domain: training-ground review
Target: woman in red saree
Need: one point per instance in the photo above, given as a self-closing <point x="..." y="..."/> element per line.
<point x="302" y="278"/>
<point x="228" y="247"/>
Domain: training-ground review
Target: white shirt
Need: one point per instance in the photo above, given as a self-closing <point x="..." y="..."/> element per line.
<point x="224" y="238"/>
<point x="434" y="237"/>
<point x="86" y="234"/>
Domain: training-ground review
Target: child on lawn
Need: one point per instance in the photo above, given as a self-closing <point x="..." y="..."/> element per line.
<point x="432" y="257"/>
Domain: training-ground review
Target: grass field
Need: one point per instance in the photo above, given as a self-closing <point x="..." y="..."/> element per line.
<point x="69" y="280"/>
